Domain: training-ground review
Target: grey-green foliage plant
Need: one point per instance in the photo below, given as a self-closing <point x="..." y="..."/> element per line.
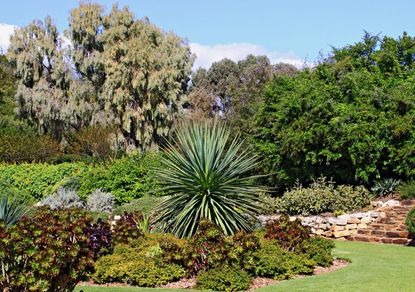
<point x="99" y="201"/>
<point x="62" y="199"/>
<point x="208" y="177"/>
<point x="385" y="187"/>
<point x="11" y="210"/>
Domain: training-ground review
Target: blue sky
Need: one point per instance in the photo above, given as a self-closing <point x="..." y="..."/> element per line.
<point x="290" y="30"/>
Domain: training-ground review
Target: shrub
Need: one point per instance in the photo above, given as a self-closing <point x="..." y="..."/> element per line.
<point x="209" y="177"/>
<point x="143" y="262"/>
<point x="349" y="118"/>
<point x="39" y="180"/>
<point x="127" y="228"/>
<point x="323" y="196"/>
<point x="319" y="250"/>
<point x="290" y="235"/>
<point x="100" y="238"/>
<point x="23" y="146"/>
<point x="145" y="204"/>
<point x="272" y="261"/>
<point x="100" y="201"/>
<point x="410" y="221"/>
<point x="224" y="278"/>
<point x="63" y="199"/>
<point x="385" y="187"/>
<point x="49" y="252"/>
<point x="127" y="178"/>
<point x="407" y="190"/>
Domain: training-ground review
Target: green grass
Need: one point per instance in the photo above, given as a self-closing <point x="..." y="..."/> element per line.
<point x="374" y="267"/>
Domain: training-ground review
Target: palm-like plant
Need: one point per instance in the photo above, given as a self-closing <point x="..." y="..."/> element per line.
<point x="11" y="210"/>
<point x="208" y="177"/>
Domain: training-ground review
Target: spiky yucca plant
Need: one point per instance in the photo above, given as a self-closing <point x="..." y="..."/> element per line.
<point x="208" y="177"/>
<point x="11" y="210"/>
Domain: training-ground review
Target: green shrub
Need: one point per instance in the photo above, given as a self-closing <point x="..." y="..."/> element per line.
<point x="144" y="262"/>
<point x="349" y="118"/>
<point x="145" y="204"/>
<point x="39" y="180"/>
<point x="50" y="251"/>
<point x="127" y="178"/>
<point x="410" y="221"/>
<point x="323" y="196"/>
<point x="127" y="228"/>
<point x="224" y="278"/>
<point x="319" y="250"/>
<point x="274" y="262"/>
<point x="407" y="190"/>
<point x="289" y="235"/>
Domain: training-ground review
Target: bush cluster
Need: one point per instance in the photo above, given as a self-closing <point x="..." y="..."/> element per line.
<point x="51" y="251"/>
<point x="127" y="178"/>
<point x="410" y="221"/>
<point x="224" y="278"/>
<point x="407" y="190"/>
<point x="323" y="196"/>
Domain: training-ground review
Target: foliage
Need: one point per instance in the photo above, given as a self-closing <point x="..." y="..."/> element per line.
<point x="385" y="187"/>
<point x="319" y="250"/>
<point x="407" y="190"/>
<point x="24" y="146"/>
<point x="410" y="221"/>
<point x="49" y="252"/>
<point x="95" y="141"/>
<point x="272" y="261"/>
<point x="127" y="228"/>
<point x="127" y="178"/>
<point x="145" y="204"/>
<point x="100" y="201"/>
<point x="11" y="210"/>
<point x="63" y="199"/>
<point x="323" y="196"/>
<point x="349" y="118"/>
<point x="140" y="263"/>
<point x="41" y="179"/>
<point x="100" y="238"/>
<point x="207" y="176"/>
<point x="210" y="248"/>
<point x="288" y="234"/>
<point x="99" y="80"/>
<point x="224" y="278"/>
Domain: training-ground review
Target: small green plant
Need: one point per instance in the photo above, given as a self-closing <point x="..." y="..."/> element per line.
<point x="209" y="177"/>
<point x="127" y="228"/>
<point x="385" y="187"/>
<point x="319" y="250"/>
<point x="410" y="221"/>
<point x="224" y="278"/>
<point x="290" y="235"/>
<point x="407" y="190"/>
<point x="11" y="210"/>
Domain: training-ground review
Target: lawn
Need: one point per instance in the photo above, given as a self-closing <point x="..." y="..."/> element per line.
<point x="374" y="268"/>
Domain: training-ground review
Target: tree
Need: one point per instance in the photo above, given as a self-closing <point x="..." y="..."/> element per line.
<point x="350" y="118"/>
<point x="117" y="70"/>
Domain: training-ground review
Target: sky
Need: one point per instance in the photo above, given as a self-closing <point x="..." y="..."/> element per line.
<point x="292" y="31"/>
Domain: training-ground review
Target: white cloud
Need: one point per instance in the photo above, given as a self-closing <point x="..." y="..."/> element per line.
<point x="6" y="30"/>
<point x="206" y="55"/>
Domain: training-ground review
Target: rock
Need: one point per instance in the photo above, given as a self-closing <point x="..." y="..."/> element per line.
<point x="351" y="226"/>
<point x="337" y="221"/>
<point x="344" y="217"/>
<point x="343" y="233"/>
<point x="353" y="221"/>
<point x="373" y="214"/>
<point x="391" y="203"/>
<point x="337" y="228"/>
<point x="362" y="226"/>
<point x="365" y="220"/>
<point x="359" y="215"/>
<point x="319" y="232"/>
<point x="324" y="226"/>
<point x="376" y="204"/>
